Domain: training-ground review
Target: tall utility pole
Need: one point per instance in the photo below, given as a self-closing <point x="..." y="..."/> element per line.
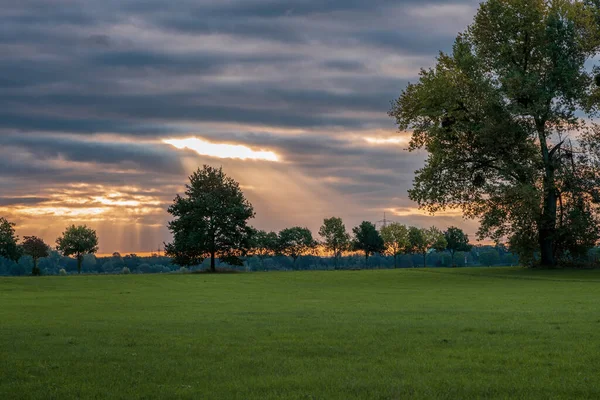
<point x="384" y="221"/>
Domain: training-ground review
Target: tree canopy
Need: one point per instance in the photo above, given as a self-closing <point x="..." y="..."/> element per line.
<point x="494" y="116"/>
<point x="77" y="241"/>
<point x="395" y="238"/>
<point x="211" y="220"/>
<point x="337" y="240"/>
<point x="422" y="240"/>
<point x="35" y="247"/>
<point x="9" y="247"/>
<point x="295" y="242"/>
<point x="367" y="239"/>
<point x="263" y="244"/>
<point x="456" y="240"/>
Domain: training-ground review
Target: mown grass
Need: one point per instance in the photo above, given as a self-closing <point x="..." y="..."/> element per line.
<point x="445" y="334"/>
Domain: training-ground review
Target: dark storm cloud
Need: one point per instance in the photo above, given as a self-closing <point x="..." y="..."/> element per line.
<point x="146" y="157"/>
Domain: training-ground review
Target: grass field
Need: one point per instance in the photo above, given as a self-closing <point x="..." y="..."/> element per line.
<point x="453" y="334"/>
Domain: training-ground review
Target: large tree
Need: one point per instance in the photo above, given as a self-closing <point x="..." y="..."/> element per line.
<point x="337" y="240"/>
<point x="9" y="247"/>
<point x="493" y="116"/>
<point x="367" y="239"/>
<point x="395" y="238"/>
<point x="456" y="240"/>
<point x="35" y="247"/>
<point x="295" y="242"/>
<point x="77" y="241"/>
<point x="211" y="220"/>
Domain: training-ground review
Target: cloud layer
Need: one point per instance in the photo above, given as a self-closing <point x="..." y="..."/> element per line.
<point x="89" y="90"/>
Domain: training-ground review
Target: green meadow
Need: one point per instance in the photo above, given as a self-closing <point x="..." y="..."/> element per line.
<point x="387" y="334"/>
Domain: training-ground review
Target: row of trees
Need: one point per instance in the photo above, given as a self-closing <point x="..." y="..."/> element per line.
<point x="76" y="241"/>
<point x="393" y="240"/>
<point x="211" y="222"/>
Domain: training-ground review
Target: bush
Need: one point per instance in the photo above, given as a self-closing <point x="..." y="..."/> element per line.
<point x="62" y="272"/>
<point x="183" y="270"/>
<point x="125" y="271"/>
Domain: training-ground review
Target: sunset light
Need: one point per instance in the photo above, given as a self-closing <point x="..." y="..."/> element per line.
<point x="388" y="140"/>
<point x="222" y="150"/>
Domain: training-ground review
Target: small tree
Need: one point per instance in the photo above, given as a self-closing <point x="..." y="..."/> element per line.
<point x="367" y="240"/>
<point x="295" y="242"/>
<point x="456" y="240"/>
<point x="78" y="241"/>
<point x="264" y="244"/>
<point x="9" y="248"/>
<point x="211" y="220"/>
<point x="395" y="238"/>
<point x="417" y="242"/>
<point x="35" y="248"/>
<point x="423" y="240"/>
<point x="337" y="240"/>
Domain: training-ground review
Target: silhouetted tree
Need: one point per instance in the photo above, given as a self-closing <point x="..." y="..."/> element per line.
<point x="9" y="247"/>
<point x="367" y="240"/>
<point x="493" y="114"/>
<point x="423" y="240"/>
<point x="395" y="238"/>
<point x="264" y="244"/>
<point x="35" y="248"/>
<point x="211" y="220"/>
<point x="77" y="241"/>
<point x="337" y="240"/>
<point x="295" y="242"/>
<point x="456" y="240"/>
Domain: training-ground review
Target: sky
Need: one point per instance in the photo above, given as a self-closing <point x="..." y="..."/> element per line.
<point x="106" y="108"/>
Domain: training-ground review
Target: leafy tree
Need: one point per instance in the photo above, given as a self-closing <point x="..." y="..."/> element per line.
<point x="35" y="248"/>
<point x="417" y="242"/>
<point x="9" y="247"/>
<point x="493" y="116"/>
<point x="77" y="241"/>
<point x="211" y="220"/>
<point x="337" y="240"/>
<point x="367" y="240"/>
<point x="295" y="242"/>
<point x="395" y="238"/>
<point x="264" y="244"/>
<point x="422" y="240"/>
<point x="489" y="258"/>
<point x="456" y="240"/>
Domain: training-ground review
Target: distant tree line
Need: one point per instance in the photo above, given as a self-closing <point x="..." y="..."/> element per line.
<point x="211" y="223"/>
<point x="210" y="229"/>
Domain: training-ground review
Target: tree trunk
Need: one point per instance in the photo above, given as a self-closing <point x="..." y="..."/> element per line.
<point x="34" y="270"/>
<point x="212" y="262"/>
<point x="547" y="226"/>
<point x="395" y="261"/>
<point x="79" y="260"/>
<point x="425" y="260"/>
<point x="366" y="259"/>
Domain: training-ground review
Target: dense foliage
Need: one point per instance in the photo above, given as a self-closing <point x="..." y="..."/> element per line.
<point x="211" y="220"/>
<point x="495" y="115"/>
<point x="78" y="241"/>
<point x="35" y="247"/>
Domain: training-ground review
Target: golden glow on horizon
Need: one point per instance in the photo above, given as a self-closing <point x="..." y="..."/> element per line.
<point x="222" y="150"/>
